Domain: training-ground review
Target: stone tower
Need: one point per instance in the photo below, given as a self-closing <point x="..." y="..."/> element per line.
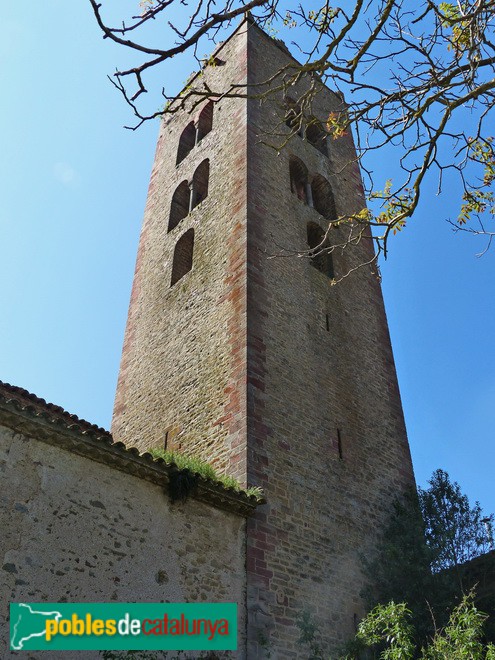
<point x="257" y="363"/>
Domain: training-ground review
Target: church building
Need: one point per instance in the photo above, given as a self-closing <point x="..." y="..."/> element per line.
<point x="256" y="340"/>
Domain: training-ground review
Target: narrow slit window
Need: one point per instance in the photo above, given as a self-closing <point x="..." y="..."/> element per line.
<point x="183" y="256"/>
<point x="187" y="141"/>
<point x="339" y="444"/>
<point x="179" y="207"/>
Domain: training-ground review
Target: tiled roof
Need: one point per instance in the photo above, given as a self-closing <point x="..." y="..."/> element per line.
<point x="26" y="413"/>
<point x="38" y="407"/>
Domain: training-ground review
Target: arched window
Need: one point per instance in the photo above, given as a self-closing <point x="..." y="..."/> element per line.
<point x="316" y="135"/>
<point x="200" y="183"/>
<point x="179" y="207"/>
<point x="321" y="259"/>
<point x="186" y="142"/>
<point x="183" y="256"/>
<point x="293" y="115"/>
<point x="299" y="179"/>
<point x="323" y="200"/>
<point x="205" y="121"/>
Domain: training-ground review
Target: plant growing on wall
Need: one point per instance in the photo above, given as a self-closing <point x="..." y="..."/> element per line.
<point x="191" y="467"/>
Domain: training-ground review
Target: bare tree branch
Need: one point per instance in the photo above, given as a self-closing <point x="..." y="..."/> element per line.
<point x="418" y="78"/>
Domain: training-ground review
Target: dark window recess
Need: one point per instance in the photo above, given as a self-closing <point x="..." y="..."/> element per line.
<point x="205" y="121"/>
<point x="309" y="128"/>
<point x="192" y="134"/>
<point x="339" y="444"/>
<point x="293" y="115"/>
<point x="298" y="178"/>
<point x="327" y="321"/>
<point x="323" y="200"/>
<point x="187" y="196"/>
<point x="200" y="183"/>
<point x="179" y="207"/>
<point x="321" y="259"/>
<point x="183" y="256"/>
<point x="165" y="441"/>
<point x="316" y="135"/>
<point x="186" y="142"/>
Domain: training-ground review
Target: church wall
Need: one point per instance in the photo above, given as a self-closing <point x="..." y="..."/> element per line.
<point x="74" y="530"/>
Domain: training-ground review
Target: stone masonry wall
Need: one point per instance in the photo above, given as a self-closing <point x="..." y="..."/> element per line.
<point x="480" y="574"/>
<point x="256" y="362"/>
<point x="182" y="375"/>
<point x="76" y="530"/>
<point x="320" y="367"/>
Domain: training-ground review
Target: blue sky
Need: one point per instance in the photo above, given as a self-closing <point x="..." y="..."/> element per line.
<point x="73" y="187"/>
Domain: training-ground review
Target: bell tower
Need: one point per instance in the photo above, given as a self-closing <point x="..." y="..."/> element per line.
<point x="256" y="362"/>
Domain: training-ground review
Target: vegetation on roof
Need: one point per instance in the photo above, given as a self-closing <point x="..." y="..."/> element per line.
<point x="205" y="470"/>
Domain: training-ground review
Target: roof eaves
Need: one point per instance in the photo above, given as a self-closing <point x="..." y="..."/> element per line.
<point x="26" y="413"/>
